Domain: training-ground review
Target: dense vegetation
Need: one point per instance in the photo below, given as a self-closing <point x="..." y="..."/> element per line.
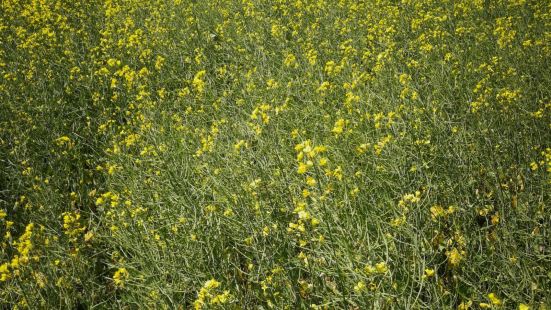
<point x="275" y="154"/>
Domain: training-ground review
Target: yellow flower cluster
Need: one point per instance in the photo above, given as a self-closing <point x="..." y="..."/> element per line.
<point x="23" y="245"/>
<point x="207" y="295"/>
<point x="120" y="277"/>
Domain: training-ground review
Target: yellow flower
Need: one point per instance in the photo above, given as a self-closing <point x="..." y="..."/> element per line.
<point x="493" y="298"/>
<point x="429" y="272"/>
<point x="120" y="277"/>
<point x="339" y="127"/>
<point x="454" y="256"/>
<point x="159" y="62"/>
<point x="323" y="87"/>
<point x="198" y="82"/>
<point x="360" y="286"/>
<point x="212" y="283"/>
<point x="381" y="267"/>
<point x="465" y="305"/>
<point x="290" y="61"/>
<point x="220" y="298"/>
<point x="88" y="236"/>
<point x="206" y="293"/>
<point x="4" y="272"/>
<point x="302" y="168"/>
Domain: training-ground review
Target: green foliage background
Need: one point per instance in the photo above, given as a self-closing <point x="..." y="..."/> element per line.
<point x="275" y="154"/>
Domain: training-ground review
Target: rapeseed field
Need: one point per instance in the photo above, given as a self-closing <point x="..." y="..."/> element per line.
<point x="283" y="154"/>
